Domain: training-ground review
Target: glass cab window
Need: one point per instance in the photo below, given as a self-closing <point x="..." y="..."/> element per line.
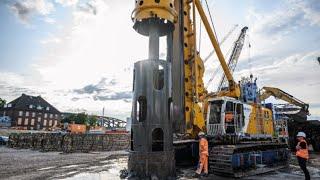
<point x="215" y="112"/>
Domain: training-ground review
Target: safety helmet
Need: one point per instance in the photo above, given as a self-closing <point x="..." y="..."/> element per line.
<point x="201" y="133"/>
<point x="301" y="134"/>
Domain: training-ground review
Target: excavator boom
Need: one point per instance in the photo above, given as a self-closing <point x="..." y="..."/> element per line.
<point x="278" y="93"/>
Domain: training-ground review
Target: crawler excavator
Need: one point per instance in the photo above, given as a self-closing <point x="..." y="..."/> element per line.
<point x="171" y="105"/>
<point x="294" y="116"/>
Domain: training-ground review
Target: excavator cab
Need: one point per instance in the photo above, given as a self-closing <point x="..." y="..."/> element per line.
<point x="225" y="116"/>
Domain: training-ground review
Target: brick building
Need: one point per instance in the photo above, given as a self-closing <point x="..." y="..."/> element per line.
<point x="31" y="112"/>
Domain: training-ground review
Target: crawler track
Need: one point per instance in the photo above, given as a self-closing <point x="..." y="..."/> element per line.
<point x="247" y="159"/>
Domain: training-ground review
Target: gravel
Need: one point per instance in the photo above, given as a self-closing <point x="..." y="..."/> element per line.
<point x="28" y="164"/>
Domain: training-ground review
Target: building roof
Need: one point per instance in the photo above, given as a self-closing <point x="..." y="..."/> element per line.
<point x="32" y="102"/>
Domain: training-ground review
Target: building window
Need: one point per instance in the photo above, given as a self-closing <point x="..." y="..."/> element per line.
<point x="55" y="123"/>
<point x="56" y="116"/>
<point x="9" y="105"/>
<point x="50" y="122"/>
<point x="30" y="106"/>
<point x="27" y="113"/>
<point x="51" y="115"/>
<point x="20" y="113"/>
<point x="26" y="121"/>
<point x="32" y="122"/>
<point x="33" y="114"/>
<point x="45" y="115"/>
<point x="19" y="121"/>
<point x="39" y="119"/>
<point x="4" y="113"/>
<point x="48" y="108"/>
<point x="45" y="122"/>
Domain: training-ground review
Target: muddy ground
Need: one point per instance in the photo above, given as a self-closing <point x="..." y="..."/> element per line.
<point x="28" y="164"/>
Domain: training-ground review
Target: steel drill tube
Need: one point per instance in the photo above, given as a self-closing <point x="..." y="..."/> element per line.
<point x="153" y="43"/>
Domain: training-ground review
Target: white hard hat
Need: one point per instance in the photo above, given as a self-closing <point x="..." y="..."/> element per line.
<point x="301" y="134"/>
<point x="201" y="133"/>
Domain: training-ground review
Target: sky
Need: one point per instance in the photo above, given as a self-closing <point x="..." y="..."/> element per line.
<point x="79" y="54"/>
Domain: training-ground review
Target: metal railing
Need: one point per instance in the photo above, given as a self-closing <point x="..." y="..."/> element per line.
<point x="215" y="129"/>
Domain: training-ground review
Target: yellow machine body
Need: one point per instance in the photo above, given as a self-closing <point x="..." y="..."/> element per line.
<point x="260" y="121"/>
<point x="193" y="75"/>
<point x="145" y="9"/>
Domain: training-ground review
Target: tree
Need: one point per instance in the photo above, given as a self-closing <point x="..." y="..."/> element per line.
<point x="80" y="118"/>
<point x="92" y="121"/>
<point x="2" y="102"/>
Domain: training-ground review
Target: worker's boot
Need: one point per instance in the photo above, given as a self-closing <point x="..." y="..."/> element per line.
<point x="205" y="174"/>
<point x="196" y="175"/>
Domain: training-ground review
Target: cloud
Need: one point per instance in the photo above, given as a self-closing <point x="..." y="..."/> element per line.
<point x="14" y="91"/>
<point x="27" y="8"/>
<point x="21" y="11"/>
<point x="67" y="2"/>
<point x="89" y="7"/>
<point x="292" y="15"/>
<point x="75" y="99"/>
<point x="115" y="96"/>
<point x="52" y="39"/>
<point x="310" y="9"/>
<point x="102" y="85"/>
<point x="104" y="90"/>
<point x="49" y="20"/>
<point x="298" y="74"/>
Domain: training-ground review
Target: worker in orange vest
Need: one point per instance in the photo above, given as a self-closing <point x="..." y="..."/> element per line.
<point x="203" y="153"/>
<point x="302" y="153"/>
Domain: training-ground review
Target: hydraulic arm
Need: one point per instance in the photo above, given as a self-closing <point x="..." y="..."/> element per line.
<point x="278" y="93"/>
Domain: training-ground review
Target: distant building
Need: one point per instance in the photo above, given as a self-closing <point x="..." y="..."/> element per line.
<point x="31" y="112"/>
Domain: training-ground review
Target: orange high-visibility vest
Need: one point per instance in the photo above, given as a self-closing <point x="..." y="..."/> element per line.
<point x="203" y="147"/>
<point x="229" y="117"/>
<point x="303" y="153"/>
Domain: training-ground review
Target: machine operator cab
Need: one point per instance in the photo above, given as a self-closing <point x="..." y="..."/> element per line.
<point x="227" y="116"/>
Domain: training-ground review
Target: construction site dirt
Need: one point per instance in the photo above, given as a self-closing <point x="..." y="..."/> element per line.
<point x="28" y="164"/>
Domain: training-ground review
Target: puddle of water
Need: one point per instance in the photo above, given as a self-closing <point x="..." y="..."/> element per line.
<point x="72" y="172"/>
<point x="46" y="168"/>
<point x="111" y="170"/>
<point x="70" y="166"/>
<point x="61" y="176"/>
<point x="94" y="176"/>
